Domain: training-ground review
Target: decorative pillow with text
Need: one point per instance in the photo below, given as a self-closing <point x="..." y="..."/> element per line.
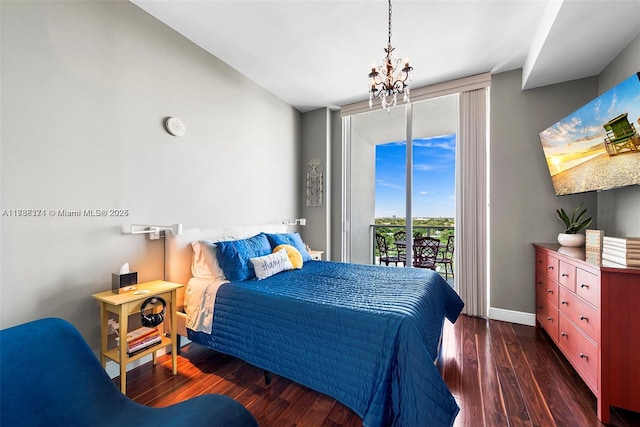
<point x="268" y="265"/>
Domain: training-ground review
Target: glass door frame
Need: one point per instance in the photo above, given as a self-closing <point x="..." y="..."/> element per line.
<point x="346" y="185"/>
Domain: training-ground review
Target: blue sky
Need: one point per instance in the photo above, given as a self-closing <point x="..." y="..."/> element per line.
<point x="433" y="177"/>
<point x="579" y="136"/>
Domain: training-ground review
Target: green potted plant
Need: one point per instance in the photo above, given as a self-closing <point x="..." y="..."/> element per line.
<point x="573" y="224"/>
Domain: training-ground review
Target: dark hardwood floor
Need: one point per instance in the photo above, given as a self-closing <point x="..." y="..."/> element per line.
<point x="501" y="374"/>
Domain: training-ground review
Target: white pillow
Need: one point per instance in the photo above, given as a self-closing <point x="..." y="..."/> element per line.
<point x="268" y="265"/>
<point x="205" y="262"/>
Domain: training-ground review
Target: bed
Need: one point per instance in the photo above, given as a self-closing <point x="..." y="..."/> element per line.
<point x="365" y="335"/>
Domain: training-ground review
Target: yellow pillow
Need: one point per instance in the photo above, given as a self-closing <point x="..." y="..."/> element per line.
<point x="294" y="255"/>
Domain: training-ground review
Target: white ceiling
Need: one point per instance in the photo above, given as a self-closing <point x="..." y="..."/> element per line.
<point x="317" y="53"/>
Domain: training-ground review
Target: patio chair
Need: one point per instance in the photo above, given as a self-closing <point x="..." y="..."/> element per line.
<point x="445" y="257"/>
<point x="425" y="252"/>
<point x="383" y="250"/>
<point x="401" y="236"/>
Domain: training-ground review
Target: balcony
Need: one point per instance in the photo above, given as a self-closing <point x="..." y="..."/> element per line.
<point x="439" y="232"/>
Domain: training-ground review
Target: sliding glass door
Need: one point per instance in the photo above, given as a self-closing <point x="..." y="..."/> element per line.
<point x="389" y="181"/>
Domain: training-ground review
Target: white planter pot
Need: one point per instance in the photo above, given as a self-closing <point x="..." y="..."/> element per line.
<point x="571" y="240"/>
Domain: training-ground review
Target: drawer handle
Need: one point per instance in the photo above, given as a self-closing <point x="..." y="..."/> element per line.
<point x="549" y="318"/>
<point x="582" y="285"/>
<point x="563" y="334"/>
<point x="539" y="283"/>
<point x="564" y="303"/>
<point x="583" y="356"/>
<point x="550" y="267"/>
<point x="539" y="306"/>
<point x="584" y="318"/>
<point x="549" y="291"/>
<point x="564" y="275"/>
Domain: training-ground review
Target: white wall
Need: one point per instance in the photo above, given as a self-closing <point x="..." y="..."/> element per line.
<point x="316" y="144"/>
<point x="522" y="198"/>
<point x="335" y="231"/>
<point x="85" y="89"/>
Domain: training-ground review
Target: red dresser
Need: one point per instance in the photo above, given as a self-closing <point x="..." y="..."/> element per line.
<point x="592" y="313"/>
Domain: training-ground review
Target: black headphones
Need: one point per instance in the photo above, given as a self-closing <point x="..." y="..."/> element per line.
<point x="153" y="319"/>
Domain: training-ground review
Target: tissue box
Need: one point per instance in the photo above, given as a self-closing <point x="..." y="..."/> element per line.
<point x="125" y="282"/>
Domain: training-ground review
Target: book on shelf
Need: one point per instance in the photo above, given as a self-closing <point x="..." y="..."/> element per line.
<point x="621" y="242"/>
<point x="144" y="345"/>
<point x="150" y="340"/>
<point x="593" y="240"/>
<point x="140" y="332"/>
<point x="614" y="250"/>
<point x="143" y="340"/>
<point x="625" y="253"/>
<point x="627" y="262"/>
<point x="610" y="264"/>
<point x="139" y="335"/>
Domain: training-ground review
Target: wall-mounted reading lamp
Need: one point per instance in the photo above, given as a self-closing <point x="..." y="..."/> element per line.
<point x="298" y="221"/>
<point x="153" y="231"/>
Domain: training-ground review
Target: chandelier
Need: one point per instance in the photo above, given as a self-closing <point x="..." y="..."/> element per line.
<point x="388" y="80"/>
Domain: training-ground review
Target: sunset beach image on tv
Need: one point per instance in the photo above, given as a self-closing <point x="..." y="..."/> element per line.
<point x="598" y="146"/>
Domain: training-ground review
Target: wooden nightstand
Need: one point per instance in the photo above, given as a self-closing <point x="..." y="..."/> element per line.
<point x="129" y="303"/>
<point x="316" y="255"/>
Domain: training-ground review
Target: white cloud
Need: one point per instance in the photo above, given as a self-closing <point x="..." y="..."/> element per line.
<point x="423" y="167"/>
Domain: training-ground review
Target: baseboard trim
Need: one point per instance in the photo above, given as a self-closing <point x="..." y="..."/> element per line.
<point x="519" y="317"/>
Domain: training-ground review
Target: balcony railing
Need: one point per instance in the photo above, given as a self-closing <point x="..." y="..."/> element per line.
<point x="439" y="232"/>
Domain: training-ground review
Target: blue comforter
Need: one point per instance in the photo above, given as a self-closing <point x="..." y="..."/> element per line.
<point x="365" y="335"/>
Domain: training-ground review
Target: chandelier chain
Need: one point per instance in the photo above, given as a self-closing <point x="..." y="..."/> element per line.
<point x="389" y="23"/>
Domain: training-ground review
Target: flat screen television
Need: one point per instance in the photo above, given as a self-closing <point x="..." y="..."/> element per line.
<point x="598" y="146"/>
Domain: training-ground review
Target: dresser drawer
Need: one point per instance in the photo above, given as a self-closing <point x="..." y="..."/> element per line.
<point x="541" y="260"/>
<point x="548" y="288"/>
<point x="567" y="275"/>
<point x="552" y="265"/>
<point x="588" y="286"/>
<point x="585" y="316"/>
<point x="547" y="264"/>
<point x="580" y="350"/>
<point x="547" y="314"/>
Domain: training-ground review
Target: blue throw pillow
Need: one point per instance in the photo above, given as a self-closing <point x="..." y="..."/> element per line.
<point x="292" y="239"/>
<point x="233" y="256"/>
